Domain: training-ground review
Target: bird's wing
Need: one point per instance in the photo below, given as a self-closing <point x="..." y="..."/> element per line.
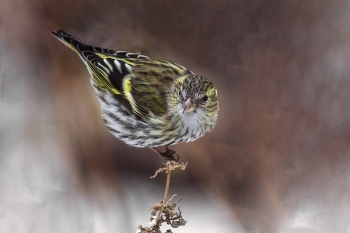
<point x="140" y="83"/>
<point x="136" y="81"/>
<point x="113" y="72"/>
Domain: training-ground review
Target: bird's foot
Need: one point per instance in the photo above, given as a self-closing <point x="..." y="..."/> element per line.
<point x="168" y="154"/>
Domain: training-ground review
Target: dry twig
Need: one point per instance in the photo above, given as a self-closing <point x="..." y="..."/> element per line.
<point x="166" y="212"/>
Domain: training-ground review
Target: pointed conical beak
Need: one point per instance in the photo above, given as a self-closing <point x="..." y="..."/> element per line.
<point x="189" y="105"/>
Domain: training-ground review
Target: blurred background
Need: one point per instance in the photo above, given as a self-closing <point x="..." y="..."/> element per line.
<point x="277" y="160"/>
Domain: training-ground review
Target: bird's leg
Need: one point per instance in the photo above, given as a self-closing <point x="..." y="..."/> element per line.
<point x="167" y="155"/>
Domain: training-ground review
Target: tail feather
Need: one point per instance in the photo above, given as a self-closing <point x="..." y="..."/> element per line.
<point x="69" y="40"/>
<point x="77" y="45"/>
<point x="93" y="58"/>
<point x="61" y="34"/>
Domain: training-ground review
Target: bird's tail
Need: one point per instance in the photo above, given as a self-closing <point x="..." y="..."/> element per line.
<point x="78" y="46"/>
<point x="69" y="40"/>
<point x="92" y="57"/>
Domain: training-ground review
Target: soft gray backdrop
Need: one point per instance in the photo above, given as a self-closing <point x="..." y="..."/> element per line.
<point x="277" y="161"/>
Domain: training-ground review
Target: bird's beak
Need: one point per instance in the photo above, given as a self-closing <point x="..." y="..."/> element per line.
<point x="189" y="105"/>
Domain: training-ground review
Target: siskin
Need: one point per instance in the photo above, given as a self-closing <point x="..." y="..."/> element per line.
<point x="147" y="102"/>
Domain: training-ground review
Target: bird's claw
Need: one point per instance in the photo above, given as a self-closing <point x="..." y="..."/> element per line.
<point x="169" y="155"/>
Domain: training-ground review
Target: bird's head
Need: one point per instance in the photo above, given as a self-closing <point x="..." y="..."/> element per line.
<point x="196" y="101"/>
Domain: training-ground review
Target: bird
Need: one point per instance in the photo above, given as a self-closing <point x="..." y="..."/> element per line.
<point x="147" y="102"/>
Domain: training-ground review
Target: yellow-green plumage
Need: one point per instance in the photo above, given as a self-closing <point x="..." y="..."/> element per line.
<point x="147" y="102"/>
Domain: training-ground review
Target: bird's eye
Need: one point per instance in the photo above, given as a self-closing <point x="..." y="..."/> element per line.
<point x="205" y="98"/>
